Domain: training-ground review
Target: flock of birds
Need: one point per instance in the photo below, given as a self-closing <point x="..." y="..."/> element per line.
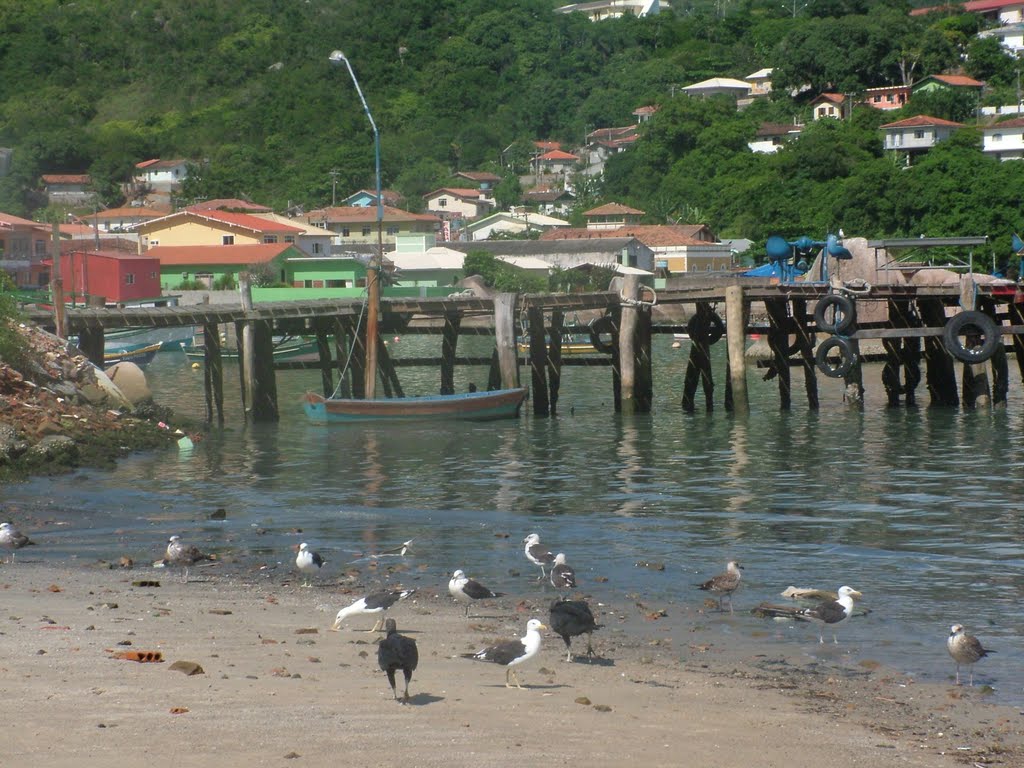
<point x="568" y="618"/>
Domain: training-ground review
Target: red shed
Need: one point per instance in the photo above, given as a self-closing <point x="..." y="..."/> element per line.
<point x="118" y="276"/>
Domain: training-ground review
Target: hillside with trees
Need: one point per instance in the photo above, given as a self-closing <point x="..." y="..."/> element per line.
<point x="246" y="91"/>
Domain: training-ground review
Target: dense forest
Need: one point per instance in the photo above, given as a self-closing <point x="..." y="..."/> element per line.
<point x="246" y="90"/>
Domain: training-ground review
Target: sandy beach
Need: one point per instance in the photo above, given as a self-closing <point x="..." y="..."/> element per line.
<point x="279" y="688"/>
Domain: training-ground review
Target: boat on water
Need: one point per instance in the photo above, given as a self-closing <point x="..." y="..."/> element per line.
<point x="140" y="354"/>
<point x="168" y="338"/>
<point x="468" y="406"/>
<point x="569" y="347"/>
<point x="289" y="348"/>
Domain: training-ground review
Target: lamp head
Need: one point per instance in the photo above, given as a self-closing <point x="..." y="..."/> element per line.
<point x="337" y="58"/>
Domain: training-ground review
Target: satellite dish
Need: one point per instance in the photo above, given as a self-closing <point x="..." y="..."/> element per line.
<point x="778" y="249"/>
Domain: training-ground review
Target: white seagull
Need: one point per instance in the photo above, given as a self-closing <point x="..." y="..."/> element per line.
<point x="13" y="539"/>
<point x="180" y="553"/>
<point x="537" y="553"/>
<point x="562" y="574"/>
<point x="376" y="603"/>
<point x="466" y="590"/>
<point x="512" y="653"/>
<point x="308" y="561"/>
<point x="725" y="583"/>
<point x="965" y="649"/>
<point x="831" y="613"/>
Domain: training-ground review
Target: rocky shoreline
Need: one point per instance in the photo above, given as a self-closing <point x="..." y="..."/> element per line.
<point x="58" y="412"/>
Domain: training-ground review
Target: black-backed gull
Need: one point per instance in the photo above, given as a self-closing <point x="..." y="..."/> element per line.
<point x="562" y="574"/>
<point x="308" y="561"/>
<point x="180" y="553"/>
<point x="725" y="583"/>
<point x="512" y="653"/>
<point x="466" y="590"/>
<point x="537" y="553"/>
<point x="965" y="649"/>
<point x="831" y="613"/>
<point x="376" y="603"/>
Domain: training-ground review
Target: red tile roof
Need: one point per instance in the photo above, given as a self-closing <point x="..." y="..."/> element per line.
<point x="547" y="146"/>
<point x="918" y="121"/>
<point x="171" y="255"/>
<point x="149" y="165"/>
<point x="8" y="220"/>
<point x="229" y="204"/>
<point x="240" y="220"/>
<point x="834" y="98"/>
<point x="66" y="178"/>
<point x="127" y="213"/>
<point x="478" y="176"/>
<point x="557" y="154"/>
<point x="358" y="214"/>
<point x="960" y="81"/>
<point x="651" y="235"/>
<point x="470" y="194"/>
<point x="1016" y="122"/>
<point x="777" y="129"/>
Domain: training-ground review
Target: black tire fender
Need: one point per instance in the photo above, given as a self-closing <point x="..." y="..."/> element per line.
<point x="598" y="326"/>
<point x="843" y="308"/>
<point x="846" y="357"/>
<point x="973" y="323"/>
<point x="715" y="328"/>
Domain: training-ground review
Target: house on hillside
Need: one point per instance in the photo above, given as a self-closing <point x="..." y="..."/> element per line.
<point x="599" y="10"/>
<point x="517" y="221"/>
<point x="887" y="97"/>
<point x="771" y="137"/>
<point x="553" y="202"/>
<point x="1001" y="11"/>
<point x="1005" y="140"/>
<point x="917" y="134"/>
<point x="644" y="114"/>
<point x="314" y="241"/>
<point x="208" y="264"/>
<point x="674" y="248"/>
<point x="459" y="204"/>
<point x="355" y="224"/>
<point x="555" y="162"/>
<point x="612" y="216"/>
<point x="24" y="244"/>
<point x="161" y="175"/>
<point x="947" y="82"/>
<point x="115" y="276"/>
<point x="367" y="197"/>
<point x="760" y="82"/>
<point x="1011" y="37"/>
<point x="602" y="143"/>
<point x="68" y="188"/>
<point x="231" y="204"/>
<point x="719" y="86"/>
<point x="828" y="105"/>
<point x="121" y="219"/>
<point x="188" y="228"/>
<point x="485" y="180"/>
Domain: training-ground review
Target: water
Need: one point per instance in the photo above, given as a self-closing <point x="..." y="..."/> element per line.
<point x="918" y="509"/>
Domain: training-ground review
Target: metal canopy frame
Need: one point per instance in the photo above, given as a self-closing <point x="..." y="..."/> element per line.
<point x="896" y="263"/>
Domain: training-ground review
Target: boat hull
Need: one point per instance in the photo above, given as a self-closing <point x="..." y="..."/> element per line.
<point x="284" y="351"/>
<point x="140" y="354"/>
<point x="471" y="406"/>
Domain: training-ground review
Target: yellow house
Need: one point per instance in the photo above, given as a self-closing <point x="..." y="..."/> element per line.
<point x="213" y="228"/>
<point x="358" y="223"/>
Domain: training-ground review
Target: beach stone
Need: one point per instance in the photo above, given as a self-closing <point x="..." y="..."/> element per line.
<point x="54" y="448"/>
<point x="189" y="668"/>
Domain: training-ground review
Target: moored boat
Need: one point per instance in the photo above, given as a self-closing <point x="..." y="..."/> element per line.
<point x="470" y="406"/>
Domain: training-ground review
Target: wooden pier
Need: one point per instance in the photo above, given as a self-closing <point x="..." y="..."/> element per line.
<point x="810" y="326"/>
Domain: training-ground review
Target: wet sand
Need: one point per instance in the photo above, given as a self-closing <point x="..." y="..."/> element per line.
<point x="279" y="688"/>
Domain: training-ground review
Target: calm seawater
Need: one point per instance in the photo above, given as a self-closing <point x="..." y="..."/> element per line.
<point x="919" y="509"/>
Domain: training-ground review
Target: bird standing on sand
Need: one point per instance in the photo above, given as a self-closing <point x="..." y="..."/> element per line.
<point x="562" y="574"/>
<point x="180" y="553"/>
<point x="466" y="590"/>
<point x="831" y="613"/>
<point x="537" y="553"/>
<point x="512" y="653"/>
<point x="376" y="603"/>
<point x="13" y="539"/>
<point x="397" y="652"/>
<point x="965" y="649"/>
<point x="572" y="618"/>
<point x="308" y="561"/>
<point x="725" y="583"/>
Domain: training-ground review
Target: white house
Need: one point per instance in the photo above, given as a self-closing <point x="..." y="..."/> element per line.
<point x="1011" y="36"/>
<point x="917" y="134"/>
<point x="614" y="9"/>
<point x="516" y="221"/>
<point x="1004" y="141"/>
<point x="451" y="203"/>
<point x="828" y="105"/>
<point x="771" y="137"/>
<point x="312" y="240"/>
<point x="719" y="86"/>
<point x="161" y="175"/>
<point x="760" y="82"/>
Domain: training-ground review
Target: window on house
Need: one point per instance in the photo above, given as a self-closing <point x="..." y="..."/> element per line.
<point x="289" y="238"/>
<point x="184" y="276"/>
<point x="154" y="243"/>
<point x="317" y="248"/>
<point x="129" y="278"/>
<point x="227" y="240"/>
<point x="997" y="137"/>
<point x="877" y="99"/>
<point x="152" y="275"/>
<point x="337" y="283"/>
<point x="918" y="134"/>
<point x="345" y="232"/>
<point x="442" y="202"/>
<point x="270" y="239"/>
<point x="392" y="230"/>
<point x="366" y="231"/>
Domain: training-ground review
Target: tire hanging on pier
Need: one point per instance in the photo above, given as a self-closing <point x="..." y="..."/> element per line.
<point x="978" y="331"/>
<point x="832" y="367"/>
<point x="842" y="316"/>
<point x="599" y="326"/>
<point x="705" y="327"/>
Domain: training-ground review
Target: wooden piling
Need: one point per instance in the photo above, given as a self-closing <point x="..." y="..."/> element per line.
<point x="256" y="361"/>
<point x="975" y="377"/>
<point x="341" y="357"/>
<point x="538" y="360"/>
<point x="778" y="342"/>
<point x="736" y="335"/>
<point x="627" y="345"/>
<point x="555" y="360"/>
<point x="698" y="364"/>
<point x="449" y="344"/>
<point x="213" y="373"/>
<point x="940" y="376"/>
<point x="805" y="345"/>
<point x="505" y="339"/>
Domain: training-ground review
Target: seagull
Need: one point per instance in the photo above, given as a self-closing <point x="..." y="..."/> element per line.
<point x="831" y="612"/>
<point x="725" y="583"/>
<point x="13" y="539"/>
<point x="466" y="590"/>
<point x="397" y="652"/>
<point x="180" y="553"/>
<point x="376" y="602"/>
<point x="511" y="653"/>
<point x="308" y="561"/>
<point x="572" y="618"/>
<point x="965" y="649"/>
<point x="537" y="554"/>
<point x="562" y="575"/>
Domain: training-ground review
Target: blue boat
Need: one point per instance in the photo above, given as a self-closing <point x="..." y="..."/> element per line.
<point x="470" y="406"/>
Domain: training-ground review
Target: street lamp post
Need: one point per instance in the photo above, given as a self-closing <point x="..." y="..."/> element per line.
<point x="373" y="270"/>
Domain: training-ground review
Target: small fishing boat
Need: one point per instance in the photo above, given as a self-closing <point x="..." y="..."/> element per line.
<point x="289" y="348"/>
<point x="570" y="346"/>
<point x="470" y="406"/>
<point x="140" y="354"/>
